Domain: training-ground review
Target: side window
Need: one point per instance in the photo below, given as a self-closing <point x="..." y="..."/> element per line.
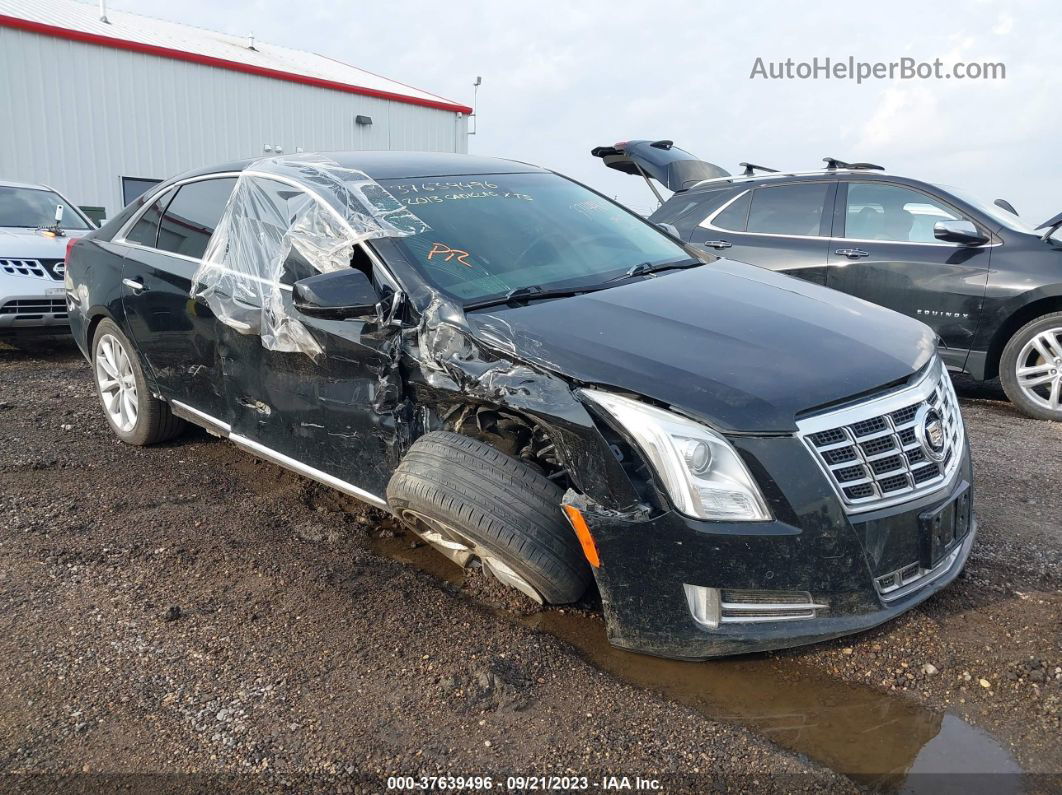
<point x="736" y="214"/>
<point x="146" y="230"/>
<point x="876" y="211"/>
<point x="794" y="210"/>
<point x="278" y="206"/>
<point x="191" y="217"/>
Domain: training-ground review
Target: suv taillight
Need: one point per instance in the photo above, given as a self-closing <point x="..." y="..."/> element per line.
<point x="70" y="245"/>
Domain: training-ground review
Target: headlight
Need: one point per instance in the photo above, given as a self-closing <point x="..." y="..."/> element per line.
<point x="701" y="473"/>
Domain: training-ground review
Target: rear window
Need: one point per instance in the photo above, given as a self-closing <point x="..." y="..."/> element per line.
<point x="146" y="230"/>
<point x="793" y="210"/>
<point x="735" y="215"/>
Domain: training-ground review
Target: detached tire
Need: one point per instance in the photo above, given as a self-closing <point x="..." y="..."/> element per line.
<point x="472" y="502"/>
<point x="1031" y="368"/>
<point x="135" y="416"/>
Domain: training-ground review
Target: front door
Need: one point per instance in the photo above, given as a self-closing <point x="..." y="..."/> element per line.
<point x="333" y="408"/>
<point x="884" y="251"/>
<point x="176" y="335"/>
<point x="780" y="227"/>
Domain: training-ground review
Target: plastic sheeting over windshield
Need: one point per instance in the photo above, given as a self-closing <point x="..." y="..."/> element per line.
<point x="288" y="218"/>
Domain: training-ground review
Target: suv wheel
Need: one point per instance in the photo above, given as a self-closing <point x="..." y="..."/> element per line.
<point x="1031" y="368"/>
<point x="475" y="504"/>
<point x="134" y="415"/>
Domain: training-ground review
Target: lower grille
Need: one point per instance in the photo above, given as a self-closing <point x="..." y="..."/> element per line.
<point x="34" y="308"/>
<point x="915" y="576"/>
<point x="881" y="452"/>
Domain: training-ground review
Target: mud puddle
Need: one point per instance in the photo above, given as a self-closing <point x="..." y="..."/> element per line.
<point x="880" y="741"/>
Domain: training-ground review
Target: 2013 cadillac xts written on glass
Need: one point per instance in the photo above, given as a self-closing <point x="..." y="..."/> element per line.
<point x="536" y="380"/>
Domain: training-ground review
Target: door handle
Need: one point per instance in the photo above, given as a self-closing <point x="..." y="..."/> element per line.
<point x="133" y="284"/>
<point x="852" y="253"/>
<point x="717" y="244"/>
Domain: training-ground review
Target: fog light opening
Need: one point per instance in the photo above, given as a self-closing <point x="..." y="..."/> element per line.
<point x="711" y="607"/>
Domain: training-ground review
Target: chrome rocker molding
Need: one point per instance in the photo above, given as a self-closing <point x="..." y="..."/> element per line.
<point x="223" y="429"/>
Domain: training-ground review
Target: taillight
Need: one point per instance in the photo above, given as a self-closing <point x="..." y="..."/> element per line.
<point x="69" y="246"/>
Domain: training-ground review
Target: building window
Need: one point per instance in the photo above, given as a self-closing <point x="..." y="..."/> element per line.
<point x="96" y="214"/>
<point x="134" y="187"/>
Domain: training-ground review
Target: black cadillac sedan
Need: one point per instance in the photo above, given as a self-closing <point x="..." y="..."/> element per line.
<point x="535" y="380"/>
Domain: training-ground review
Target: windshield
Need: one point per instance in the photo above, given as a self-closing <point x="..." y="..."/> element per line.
<point x="33" y="207"/>
<point x="490" y="234"/>
<point x="1008" y="219"/>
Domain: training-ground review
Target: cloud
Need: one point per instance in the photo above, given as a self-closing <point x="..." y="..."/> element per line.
<point x="561" y="77"/>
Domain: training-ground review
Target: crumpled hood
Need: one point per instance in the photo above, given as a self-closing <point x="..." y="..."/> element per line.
<point x="743" y="348"/>
<point x="19" y="243"/>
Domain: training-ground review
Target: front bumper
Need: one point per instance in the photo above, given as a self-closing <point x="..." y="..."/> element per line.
<point x="647" y="564"/>
<point x="32" y="305"/>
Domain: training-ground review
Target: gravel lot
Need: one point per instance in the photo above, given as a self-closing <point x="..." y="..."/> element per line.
<point x="187" y="609"/>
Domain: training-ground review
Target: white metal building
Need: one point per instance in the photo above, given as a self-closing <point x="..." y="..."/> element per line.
<point x="100" y="110"/>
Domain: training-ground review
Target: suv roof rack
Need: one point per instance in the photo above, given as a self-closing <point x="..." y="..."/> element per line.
<point x="832" y="164"/>
<point x="752" y="168"/>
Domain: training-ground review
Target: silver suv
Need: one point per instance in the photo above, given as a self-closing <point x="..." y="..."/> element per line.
<point x="36" y="223"/>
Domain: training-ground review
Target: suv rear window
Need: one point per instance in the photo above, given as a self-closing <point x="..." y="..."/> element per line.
<point x="794" y="210"/>
<point x="736" y="215"/>
<point x="191" y="217"/>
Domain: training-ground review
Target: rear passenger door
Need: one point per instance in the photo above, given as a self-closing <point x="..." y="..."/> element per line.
<point x="781" y="227"/>
<point x="176" y="334"/>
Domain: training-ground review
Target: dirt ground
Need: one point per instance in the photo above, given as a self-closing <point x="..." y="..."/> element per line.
<point x="191" y="613"/>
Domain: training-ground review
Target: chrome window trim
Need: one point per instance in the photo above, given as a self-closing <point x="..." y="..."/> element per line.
<point x="707" y="224"/>
<point x="120" y="237"/>
<point x="280" y="459"/>
<point x="879" y="407"/>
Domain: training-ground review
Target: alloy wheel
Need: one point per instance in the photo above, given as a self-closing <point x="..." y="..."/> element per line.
<point x="465" y="552"/>
<point x="117" y="382"/>
<point x="1039" y="370"/>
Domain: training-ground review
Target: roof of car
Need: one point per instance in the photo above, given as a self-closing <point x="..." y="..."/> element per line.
<point x="398" y="165"/>
<point x="784" y="176"/>
<point x="6" y="184"/>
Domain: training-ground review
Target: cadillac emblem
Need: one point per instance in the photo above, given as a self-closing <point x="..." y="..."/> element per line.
<point x="929" y="429"/>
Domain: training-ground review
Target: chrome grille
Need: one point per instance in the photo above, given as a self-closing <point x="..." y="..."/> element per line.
<point x="873" y="454"/>
<point x="41" y="269"/>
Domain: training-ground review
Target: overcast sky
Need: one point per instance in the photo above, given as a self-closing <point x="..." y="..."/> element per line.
<point x="562" y="77"/>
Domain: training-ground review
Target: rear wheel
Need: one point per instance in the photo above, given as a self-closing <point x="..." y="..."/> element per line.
<point x="1031" y="368"/>
<point x="135" y="416"/>
<point x="475" y="504"/>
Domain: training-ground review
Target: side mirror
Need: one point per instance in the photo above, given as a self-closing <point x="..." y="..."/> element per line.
<point x="671" y="229"/>
<point x="340" y="295"/>
<point x="963" y="232"/>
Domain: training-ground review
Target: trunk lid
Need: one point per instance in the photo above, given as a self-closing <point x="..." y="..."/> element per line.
<point x="674" y="168"/>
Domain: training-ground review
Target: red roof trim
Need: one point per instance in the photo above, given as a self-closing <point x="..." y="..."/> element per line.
<point x="220" y="63"/>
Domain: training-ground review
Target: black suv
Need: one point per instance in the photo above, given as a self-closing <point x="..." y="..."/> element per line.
<point x="532" y="377"/>
<point x="989" y="285"/>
